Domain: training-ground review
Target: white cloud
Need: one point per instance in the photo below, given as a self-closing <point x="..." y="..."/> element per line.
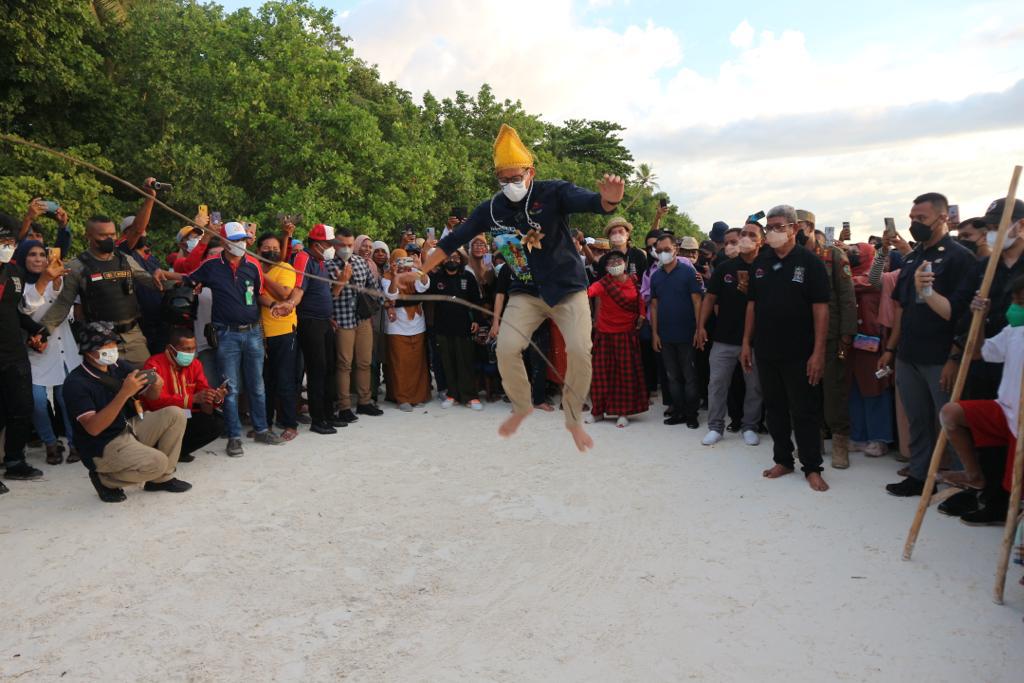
<point x="715" y="139"/>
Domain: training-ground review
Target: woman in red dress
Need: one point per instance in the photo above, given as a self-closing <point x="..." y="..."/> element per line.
<point x="618" y="388"/>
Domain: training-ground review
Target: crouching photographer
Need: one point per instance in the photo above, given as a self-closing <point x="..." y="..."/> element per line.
<point x="120" y="444"/>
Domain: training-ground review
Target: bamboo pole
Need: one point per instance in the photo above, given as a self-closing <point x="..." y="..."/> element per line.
<point x="961" y="376"/>
<point x="1012" y="514"/>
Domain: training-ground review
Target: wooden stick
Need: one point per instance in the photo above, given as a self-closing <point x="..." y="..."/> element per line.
<point x="977" y="321"/>
<point x="1012" y="513"/>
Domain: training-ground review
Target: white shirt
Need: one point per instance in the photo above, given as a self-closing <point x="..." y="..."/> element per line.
<point x="61" y="356"/>
<point x="204" y="311"/>
<point x="1007" y="348"/>
<point x="402" y="325"/>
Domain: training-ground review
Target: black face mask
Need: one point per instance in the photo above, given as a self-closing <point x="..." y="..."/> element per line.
<point x="971" y="246"/>
<point x="854" y="257"/>
<point x="274" y="256"/>
<point x="801" y="238"/>
<point x="921" y="232"/>
<point x="451" y="267"/>
<point x="105" y="246"/>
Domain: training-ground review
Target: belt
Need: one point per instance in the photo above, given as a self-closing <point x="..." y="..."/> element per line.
<point x="236" y="328"/>
<point x="121" y="328"/>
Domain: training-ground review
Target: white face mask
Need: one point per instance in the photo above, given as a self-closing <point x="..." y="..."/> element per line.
<point x="514" y="191"/>
<point x="6" y="253"/>
<point x="618" y="270"/>
<point x="344" y="253"/>
<point x="731" y="250"/>
<point x="235" y="248"/>
<point x="329" y="253"/>
<point x="777" y="239"/>
<point x="746" y="245"/>
<point x="191" y="244"/>
<point x="618" y="239"/>
<point x="990" y="237"/>
<point x="666" y="257"/>
<point x="107" y="356"/>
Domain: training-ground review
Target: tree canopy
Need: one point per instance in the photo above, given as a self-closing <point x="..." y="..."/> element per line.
<point x="258" y="112"/>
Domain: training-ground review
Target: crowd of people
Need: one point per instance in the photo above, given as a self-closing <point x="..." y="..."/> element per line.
<point x="769" y="326"/>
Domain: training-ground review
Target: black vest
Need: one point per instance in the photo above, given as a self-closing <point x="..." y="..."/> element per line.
<point x="108" y="289"/>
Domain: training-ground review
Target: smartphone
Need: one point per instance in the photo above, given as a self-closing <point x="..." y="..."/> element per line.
<point x="890" y="228"/>
<point x="53" y="253"/>
<point x="844" y="234"/>
<point x="204" y="210"/>
<point x="488" y="261"/>
<point x="830" y="235"/>
<point x="954" y="213"/>
<point x="431" y="233"/>
<point x="225" y="386"/>
<point x="663" y="202"/>
<point x="215" y="218"/>
<point x="51" y="207"/>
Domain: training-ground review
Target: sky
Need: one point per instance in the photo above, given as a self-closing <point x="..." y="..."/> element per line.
<point x="849" y="110"/>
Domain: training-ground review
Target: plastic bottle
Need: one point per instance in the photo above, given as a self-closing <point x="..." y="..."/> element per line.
<point x="927" y="291"/>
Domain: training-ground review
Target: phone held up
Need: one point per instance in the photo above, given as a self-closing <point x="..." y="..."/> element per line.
<point x="663" y="202"/>
<point x="890" y="228"/>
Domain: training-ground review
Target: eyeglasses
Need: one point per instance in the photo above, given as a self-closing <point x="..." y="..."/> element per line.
<point x="779" y="227"/>
<point x="513" y="180"/>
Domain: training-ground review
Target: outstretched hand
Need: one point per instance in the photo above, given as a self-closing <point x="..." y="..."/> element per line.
<point x="612" y="188"/>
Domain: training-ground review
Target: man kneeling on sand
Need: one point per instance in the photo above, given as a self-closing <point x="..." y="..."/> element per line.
<point x="119" y="444"/>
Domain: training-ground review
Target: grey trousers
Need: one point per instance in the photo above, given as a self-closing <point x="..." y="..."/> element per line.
<point x="723" y="360"/>
<point x="922" y="399"/>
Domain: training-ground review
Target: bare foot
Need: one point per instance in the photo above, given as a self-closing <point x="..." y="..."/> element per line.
<point x="963" y="480"/>
<point x="546" y="407"/>
<point x="582" y="439"/>
<point x="509" y="426"/>
<point x="777" y="471"/>
<point x="816" y="483"/>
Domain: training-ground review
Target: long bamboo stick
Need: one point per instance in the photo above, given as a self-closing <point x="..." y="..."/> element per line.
<point x="1012" y="514"/>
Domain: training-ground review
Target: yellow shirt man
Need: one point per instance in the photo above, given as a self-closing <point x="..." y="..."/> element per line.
<point x="284" y="275"/>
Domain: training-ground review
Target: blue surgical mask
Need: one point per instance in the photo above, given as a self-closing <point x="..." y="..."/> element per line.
<point x="182" y="358"/>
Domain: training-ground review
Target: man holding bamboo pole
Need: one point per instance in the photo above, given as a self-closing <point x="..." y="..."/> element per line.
<point x="934" y="289"/>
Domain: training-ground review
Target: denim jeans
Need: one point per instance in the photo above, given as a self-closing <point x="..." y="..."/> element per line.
<point x="41" y="416"/>
<point x="240" y="357"/>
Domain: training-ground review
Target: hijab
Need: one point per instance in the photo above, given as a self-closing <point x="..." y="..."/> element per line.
<point x="861" y="270"/>
<point x="359" y="244"/>
<point x="21" y="258"/>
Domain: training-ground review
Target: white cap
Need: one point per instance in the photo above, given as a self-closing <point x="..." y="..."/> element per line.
<point x="126" y="222"/>
<point x="234" y="231"/>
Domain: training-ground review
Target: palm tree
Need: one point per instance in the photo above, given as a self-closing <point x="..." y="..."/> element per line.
<point x="645" y="180"/>
<point x="110" y="11"/>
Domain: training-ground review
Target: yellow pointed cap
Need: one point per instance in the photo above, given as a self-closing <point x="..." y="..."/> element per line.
<point x="509" y="150"/>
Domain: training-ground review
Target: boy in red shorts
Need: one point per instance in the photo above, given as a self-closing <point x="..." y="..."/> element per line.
<point x="973" y="424"/>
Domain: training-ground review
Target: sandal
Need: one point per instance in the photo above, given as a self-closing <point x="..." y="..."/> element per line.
<point x="73" y="455"/>
<point x="289" y="434"/>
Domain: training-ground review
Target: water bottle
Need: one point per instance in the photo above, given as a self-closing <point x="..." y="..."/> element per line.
<point x="927" y="291"/>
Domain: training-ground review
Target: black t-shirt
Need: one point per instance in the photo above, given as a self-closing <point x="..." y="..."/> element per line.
<point x="85" y="392"/>
<point x="506" y="282"/>
<point x="12" y="321"/>
<point x="730" y="282"/>
<point x="925" y="337"/>
<point x="453" y="320"/>
<point x="784" y="292"/>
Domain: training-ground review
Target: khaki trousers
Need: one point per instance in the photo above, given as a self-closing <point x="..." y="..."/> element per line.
<point x="133" y="347"/>
<point x="354" y="346"/>
<point x="523" y="315"/>
<point x="150" y="454"/>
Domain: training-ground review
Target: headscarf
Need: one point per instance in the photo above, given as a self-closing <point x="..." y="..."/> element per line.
<point x="409" y="290"/>
<point x="21" y="258"/>
<point x="861" y="270"/>
<point x="96" y="335"/>
<point x="359" y="244"/>
<point x="484" y="274"/>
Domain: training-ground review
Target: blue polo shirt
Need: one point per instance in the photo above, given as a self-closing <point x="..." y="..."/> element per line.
<point x="236" y="289"/>
<point x="316" y="294"/>
<point x="85" y="393"/>
<point x="555" y="268"/>
<point x="677" y="320"/>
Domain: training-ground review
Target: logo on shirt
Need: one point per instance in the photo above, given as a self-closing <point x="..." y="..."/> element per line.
<point x="798" y="274"/>
<point x="729" y="279"/>
<point x="759" y="273"/>
<point x="441" y="286"/>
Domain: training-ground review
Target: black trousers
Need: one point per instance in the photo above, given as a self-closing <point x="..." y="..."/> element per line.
<point x="794" y="407"/>
<point x="200" y="430"/>
<point x="538" y="368"/>
<point x="280" y="381"/>
<point x="682" y="378"/>
<point x="316" y="339"/>
<point x="16" y="407"/>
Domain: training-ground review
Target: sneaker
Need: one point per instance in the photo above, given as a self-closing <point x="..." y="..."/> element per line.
<point x="22" y="471"/>
<point x="447" y="402"/>
<point x="622" y="422"/>
<point x="751" y="438"/>
<point x="960" y="504"/>
<point x="711" y="438"/>
<point x="106" y="494"/>
<point x="171" y="486"/>
<point x="907" y="488"/>
<point x="405" y="407"/>
<point x="268" y="437"/>
<point x="475" y="404"/>
<point x="369" y="409"/>
<point x="3" y="489"/>
<point x="322" y="428"/>
<point x="347" y="416"/>
<point x="875" y="449"/>
<point x="234" y="448"/>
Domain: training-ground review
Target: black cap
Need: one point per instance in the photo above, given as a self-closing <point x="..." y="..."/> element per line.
<point x="994" y="212"/>
<point x="718" y="230"/>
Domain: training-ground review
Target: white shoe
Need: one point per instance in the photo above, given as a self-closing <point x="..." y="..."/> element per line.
<point x="448" y="402"/>
<point x="751" y="438"/>
<point x="623" y="421"/>
<point x="711" y="438"/>
<point x="590" y="418"/>
<point x="405" y="407"/>
<point x="475" y="404"/>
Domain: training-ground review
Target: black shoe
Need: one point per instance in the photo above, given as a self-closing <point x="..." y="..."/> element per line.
<point x="171" y="486"/>
<point x="369" y="409"/>
<point x="303" y="419"/>
<point x="693" y="423"/>
<point x="106" y="494"/>
<point x="675" y="420"/>
<point x="734" y="427"/>
<point x="186" y="457"/>
<point x="322" y="428"/>
<point x="907" y="488"/>
<point x="668" y="412"/>
<point x="3" y="489"/>
<point x="22" y="471"/>
<point x="347" y="416"/>
<point x="336" y="421"/>
<point x="960" y="504"/>
<point x="986" y="515"/>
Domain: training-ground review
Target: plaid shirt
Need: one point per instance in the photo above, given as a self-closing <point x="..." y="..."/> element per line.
<point x="344" y="305"/>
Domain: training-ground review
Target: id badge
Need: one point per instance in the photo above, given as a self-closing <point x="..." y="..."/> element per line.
<point x="248" y="294"/>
